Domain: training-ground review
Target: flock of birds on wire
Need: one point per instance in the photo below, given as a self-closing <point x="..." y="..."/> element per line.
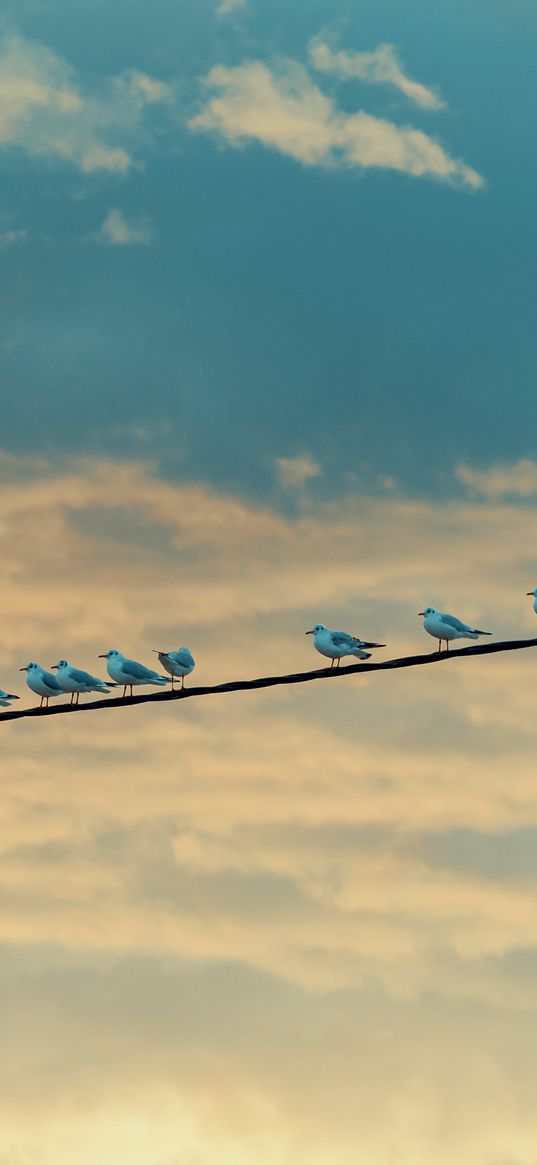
<point x="127" y="673"/>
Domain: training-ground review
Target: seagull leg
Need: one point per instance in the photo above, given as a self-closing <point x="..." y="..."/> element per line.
<point x="447" y="644"/>
<point x="124" y="693"/>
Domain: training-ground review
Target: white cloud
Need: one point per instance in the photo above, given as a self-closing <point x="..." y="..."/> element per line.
<point x="8" y="238"/>
<point x="228" y="7"/>
<point x="296" y="471"/>
<point x="117" y="232"/>
<point x="519" y="480"/>
<point x="380" y="67"/>
<point x="47" y="110"/>
<point x="283" y="109"/>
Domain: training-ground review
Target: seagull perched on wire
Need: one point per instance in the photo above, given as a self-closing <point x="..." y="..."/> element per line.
<point x="534" y="596"/>
<point x="177" y="663"/>
<point x="73" y="680"/>
<point x="42" y="682"/>
<point x="6" y="698"/>
<point x="128" y="672"/>
<point x="446" y="627"/>
<point x="337" y="644"/>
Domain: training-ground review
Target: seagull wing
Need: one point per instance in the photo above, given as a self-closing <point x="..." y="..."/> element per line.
<point x="451" y="621"/>
<point x="51" y="682"/>
<point x="129" y="667"/>
<point x="342" y="639"/>
<point x="84" y="677"/>
<point x="183" y="656"/>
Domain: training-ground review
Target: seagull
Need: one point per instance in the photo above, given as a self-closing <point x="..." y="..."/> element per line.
<point x="534" y="595"/>
<point x="6" y="698"/>
<point x="336" y="644"/>
<point x="72" y="680"/>
<point x="446" y="627"/>
<point x="128" y="672"/>
<point x="42" y="682"/>
<point x="177" y="663"/>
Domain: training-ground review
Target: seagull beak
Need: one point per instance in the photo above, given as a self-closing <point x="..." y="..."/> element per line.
<point x="421" y="612"/>
<point x="308" y="632"/>
<point x="158" y="652"/>
<point x="529" y="592"/>
<point x="101" y="657"/>
<point x="23" y="669"/>
<point x="53" y="666"/>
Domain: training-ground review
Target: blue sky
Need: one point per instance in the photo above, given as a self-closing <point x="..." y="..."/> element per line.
<point x="259" y="305"/>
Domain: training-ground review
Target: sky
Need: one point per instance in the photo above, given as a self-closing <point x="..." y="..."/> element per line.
<point x="267" y="352"/>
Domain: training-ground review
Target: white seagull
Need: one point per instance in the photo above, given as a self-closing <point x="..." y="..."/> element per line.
<point x="128" y="672"/>
<point x="337" y="644"/>
<point x="534" y="596"/>
<point x="177" y="663"/>
<point x="42" y="682"/>
<point x="72" y="679"/>
<point x="6" y="698"/>
<point x="446" y="627"/>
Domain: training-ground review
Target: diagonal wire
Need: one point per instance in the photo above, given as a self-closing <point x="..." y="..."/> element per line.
<point x="305" y="677"/>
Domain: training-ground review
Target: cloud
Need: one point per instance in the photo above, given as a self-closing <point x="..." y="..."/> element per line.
<point x="283" y="109"/>
<point x="228" y="7"/>
<point x="117" y="232"/>
<point x="8" y="238"/>
<point x="518" y="480"/>
<point x="380" y="67"/>
<point x="48" y="109"/>
<point x="296" y="471"/>
<point x="280" y="887"/>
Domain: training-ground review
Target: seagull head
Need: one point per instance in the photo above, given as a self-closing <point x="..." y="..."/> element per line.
<point x="60" y="663"/>
<point x="113" y="653"/>
<point x="428" y="611"/>
<point x="30" y="667"/>
<point x="317" y="627"/>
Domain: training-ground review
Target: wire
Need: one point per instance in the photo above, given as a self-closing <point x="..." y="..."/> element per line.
<point x="325" y="673"/>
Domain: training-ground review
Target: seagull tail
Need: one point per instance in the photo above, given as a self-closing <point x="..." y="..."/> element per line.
<point x="477" y="632"/>
<point x="364" y="644"/>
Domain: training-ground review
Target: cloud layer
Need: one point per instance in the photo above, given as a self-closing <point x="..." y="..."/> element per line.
<point x="117" y="232"/>
<point x="240" y="902"/>
<point x="282" y="108"/>
<point x="48" y="110"/>
<point x="380" y="67"/>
